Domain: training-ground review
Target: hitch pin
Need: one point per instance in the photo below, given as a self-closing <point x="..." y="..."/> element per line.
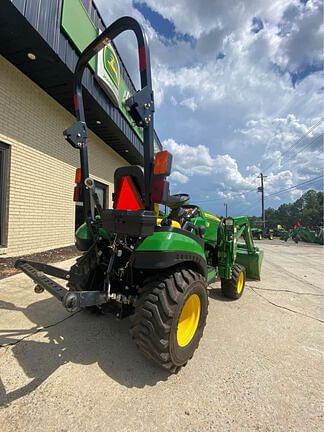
<point x="38" y="289"/>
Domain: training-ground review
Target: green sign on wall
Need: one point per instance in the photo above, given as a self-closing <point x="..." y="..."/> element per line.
<point x="78" y="26"/>
<point x="110" y="79"/>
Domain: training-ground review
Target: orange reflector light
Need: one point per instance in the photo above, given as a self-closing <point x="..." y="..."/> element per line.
<point x="127" y="196"/>
<point x="162" y="164"/>
<point x="78" y="177"/>
<point x="77" y="194"/>
<point x="160" y="189"/>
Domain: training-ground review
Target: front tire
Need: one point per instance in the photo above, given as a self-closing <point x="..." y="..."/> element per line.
<point x="233" y="288"/>
<point x="170" y="316"/>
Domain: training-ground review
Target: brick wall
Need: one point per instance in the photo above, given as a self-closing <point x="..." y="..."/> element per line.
<point x="42" y="165"/>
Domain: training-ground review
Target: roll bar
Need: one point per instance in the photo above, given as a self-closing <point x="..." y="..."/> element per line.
<point x="140" y="105"/>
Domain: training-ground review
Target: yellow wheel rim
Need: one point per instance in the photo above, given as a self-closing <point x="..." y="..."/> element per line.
<point x="240" y="283"/>
<point x="188" y="320"/>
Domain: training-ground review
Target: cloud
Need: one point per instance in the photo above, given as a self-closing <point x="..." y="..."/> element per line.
<point x="196" y="18"/>
<point x="302" y="34"/>
<point x="288" y="143"/>
<point x="222" y="170"/>
<point x="236" y="94"/>
<point x="189" y="103"/>
<point x="178" y="177"/>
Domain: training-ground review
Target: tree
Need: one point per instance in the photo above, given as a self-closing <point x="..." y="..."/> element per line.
<point x="308" y="209"/>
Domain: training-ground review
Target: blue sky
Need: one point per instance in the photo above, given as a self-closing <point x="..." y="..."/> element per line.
<point x="237" y="84"/>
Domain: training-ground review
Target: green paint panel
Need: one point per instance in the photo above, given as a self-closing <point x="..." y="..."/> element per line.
<point x="212" y="223"/>
<point x="212" y="274"/>
<point x="170" y="242"/>
<point x="83" y="233"/>
<point x="78" y="26"/>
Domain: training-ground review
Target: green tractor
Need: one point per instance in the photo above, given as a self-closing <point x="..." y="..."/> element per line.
<point x="135" y="262"/>
<point x="257" y="233"/>
<point x="305" y="234"/>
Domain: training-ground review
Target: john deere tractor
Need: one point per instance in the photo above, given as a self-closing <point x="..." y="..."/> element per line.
<point x="135" y="263"/>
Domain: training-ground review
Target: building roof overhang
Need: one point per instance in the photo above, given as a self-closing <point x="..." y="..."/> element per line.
<point x="33" y="26"/>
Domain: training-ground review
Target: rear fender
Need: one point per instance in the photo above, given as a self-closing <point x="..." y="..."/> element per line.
<point x="168" y="247"/>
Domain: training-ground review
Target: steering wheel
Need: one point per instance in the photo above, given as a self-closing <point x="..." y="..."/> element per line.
<point x="177" y="200"/>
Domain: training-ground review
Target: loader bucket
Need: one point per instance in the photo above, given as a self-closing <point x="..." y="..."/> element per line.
<point x="252" y="261"/>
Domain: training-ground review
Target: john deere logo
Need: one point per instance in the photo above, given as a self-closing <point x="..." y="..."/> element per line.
<point x="111" y="65"/>
<point x="108" y="73"/>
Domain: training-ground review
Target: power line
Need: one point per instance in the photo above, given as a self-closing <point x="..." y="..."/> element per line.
<point x="269" y="166"/>
<point x="303" y="149"/>
<point x="295" y="186"/>
<point x="254" y="202"/>
<point x="283" y="154"/>
<point x="248" y="205"/>
<point x="233" y="194"/>
<point x="296" y="142"/>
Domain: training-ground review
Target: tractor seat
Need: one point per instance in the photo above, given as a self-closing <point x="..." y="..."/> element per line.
<point x="135" y="172"/>
<point x="173" y="223"/>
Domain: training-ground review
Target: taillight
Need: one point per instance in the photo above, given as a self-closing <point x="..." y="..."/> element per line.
<point x="77" y="193"/>
<point x="160" y="189"/>
<point x="78" y="176"/>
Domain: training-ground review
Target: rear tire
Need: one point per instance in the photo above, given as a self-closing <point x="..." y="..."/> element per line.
<point x="233" y="288"/>
<point x="170" y="316"/>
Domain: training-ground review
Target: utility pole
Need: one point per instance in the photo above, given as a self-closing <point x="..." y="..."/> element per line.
<point x="261" y="189"/>
<point x="225" y="204"/>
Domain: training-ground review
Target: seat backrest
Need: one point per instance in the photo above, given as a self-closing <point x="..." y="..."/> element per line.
<point x="137" y="175"/>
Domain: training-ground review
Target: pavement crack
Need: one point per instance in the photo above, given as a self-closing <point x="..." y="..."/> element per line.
<point x="293" y="275"/>
<point x="287" y="290"/>
<point x="285" y="307"/>
<point x="39" y="330"/>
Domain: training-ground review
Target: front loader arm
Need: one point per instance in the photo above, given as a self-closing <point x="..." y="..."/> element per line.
<point x="231" y="252"/>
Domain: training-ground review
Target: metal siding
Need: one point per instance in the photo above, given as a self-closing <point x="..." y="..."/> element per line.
<point x="32" y="12"/>
<point x="44" y="21"/>
<point x="50" y="22"/>
<point x="86" y="4"/>
<point x="57" y="4"/>
<point x="62" y="47"/>
<point x="20" y="5"/>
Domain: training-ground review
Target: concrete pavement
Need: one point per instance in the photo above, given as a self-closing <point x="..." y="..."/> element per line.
<point x="259" y="366"/>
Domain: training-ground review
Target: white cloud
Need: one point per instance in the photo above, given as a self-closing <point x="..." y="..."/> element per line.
<point x="178" y="177"/>
<point x="221" y="170"/>
<point x="197" y="18"/>
<point x="189" y="103"/>
<point x="303" y="30"/>
<point x="288" y="143"/>
<point x="241" y="105"/>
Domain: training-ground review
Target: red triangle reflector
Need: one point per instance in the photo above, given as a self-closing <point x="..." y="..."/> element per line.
<point x="127" y="196"/>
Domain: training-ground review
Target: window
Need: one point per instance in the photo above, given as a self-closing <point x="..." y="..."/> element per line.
<point x="102" y="191"/>
<point x="4" y="180"/>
